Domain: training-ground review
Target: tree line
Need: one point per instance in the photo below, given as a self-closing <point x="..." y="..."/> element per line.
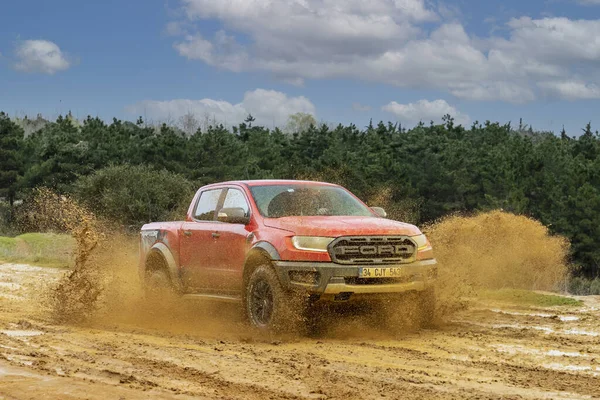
<point x="136" y="173"/>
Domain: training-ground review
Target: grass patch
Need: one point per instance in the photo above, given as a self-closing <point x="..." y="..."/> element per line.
<point x="584" y="287"/>
<point x="44" y="249"/>
<point x="529" y="298"/>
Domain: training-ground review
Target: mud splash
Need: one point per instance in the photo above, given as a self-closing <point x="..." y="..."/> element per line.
<point x="123" y="305"/>
<point x="495" y="250"/>
<point x="75" y="296"/>
<point x="491" y="250"/>
<point x="103" y="289"/>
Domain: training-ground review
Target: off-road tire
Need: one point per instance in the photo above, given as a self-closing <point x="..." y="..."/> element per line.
<point x="268" y="307"/>
<point x="158" y="286"/>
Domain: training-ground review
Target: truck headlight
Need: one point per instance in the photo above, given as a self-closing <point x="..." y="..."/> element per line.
<point x="312" y="243"/>
<point x="422" y="242"/>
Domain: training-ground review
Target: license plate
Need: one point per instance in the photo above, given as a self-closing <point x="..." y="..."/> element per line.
<point x="390" y="272"/>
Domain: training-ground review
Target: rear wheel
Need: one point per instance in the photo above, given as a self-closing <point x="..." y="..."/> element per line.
<point x="267" y="305"/>
<point x="158" y="285"/>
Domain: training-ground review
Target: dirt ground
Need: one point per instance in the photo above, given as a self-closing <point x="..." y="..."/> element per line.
<point x="486" y="352"/>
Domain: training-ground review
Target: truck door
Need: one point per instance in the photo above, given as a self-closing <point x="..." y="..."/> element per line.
<point x="198" y="243"/>
<point x="233" y="245"/>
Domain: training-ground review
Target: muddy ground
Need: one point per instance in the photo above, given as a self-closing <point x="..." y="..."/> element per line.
<point x="488" y="351"/>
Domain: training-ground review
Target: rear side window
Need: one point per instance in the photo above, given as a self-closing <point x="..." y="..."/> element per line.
<point x="235" y="199"/>
<point x="205" y="209"/>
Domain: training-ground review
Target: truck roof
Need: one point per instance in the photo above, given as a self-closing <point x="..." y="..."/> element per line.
<point x="265" y="182"/>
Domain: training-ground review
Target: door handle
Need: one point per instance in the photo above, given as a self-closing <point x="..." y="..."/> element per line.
<point x="216" y="235"/>
<point x="187" y="233"/>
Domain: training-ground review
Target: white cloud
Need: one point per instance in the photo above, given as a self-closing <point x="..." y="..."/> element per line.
<point x="426" y="111"/>
<point x="287" y="33"/>
<point x="558" y="42"/>
<point x="338" y="16"/>
<point x="269" y="107"/>
<point x="40" y="56"/>
<point x="387" y="41"/>
<point x="589" y="2"/>
<point x="223" y="51"/>
<point x="512" y="92"/>
<point x="572" y="90"/>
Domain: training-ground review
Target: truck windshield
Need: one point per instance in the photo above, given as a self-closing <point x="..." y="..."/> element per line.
<point x="276" y="201"/>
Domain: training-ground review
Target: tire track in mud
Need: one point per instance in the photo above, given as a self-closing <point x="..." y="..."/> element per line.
<point x="295" y="356"/>
<point x="335" y="378"/>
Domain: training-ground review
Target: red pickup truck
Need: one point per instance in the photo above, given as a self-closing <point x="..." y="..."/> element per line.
<point x="276" y="245"/>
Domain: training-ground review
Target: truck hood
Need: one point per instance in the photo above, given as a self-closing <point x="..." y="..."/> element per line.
<point x="341" y="226"/>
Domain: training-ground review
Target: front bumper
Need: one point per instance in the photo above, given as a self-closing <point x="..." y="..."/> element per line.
<point x="327" y="279"/>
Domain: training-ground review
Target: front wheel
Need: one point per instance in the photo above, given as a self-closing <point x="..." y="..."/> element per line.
<point x="268" y="307"/>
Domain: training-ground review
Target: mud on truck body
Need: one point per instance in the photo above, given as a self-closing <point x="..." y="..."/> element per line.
<point x="277" y="247"/>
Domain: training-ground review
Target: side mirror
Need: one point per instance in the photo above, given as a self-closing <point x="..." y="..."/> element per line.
<point x="379" y="211"/>
<point x="234" y="215"/>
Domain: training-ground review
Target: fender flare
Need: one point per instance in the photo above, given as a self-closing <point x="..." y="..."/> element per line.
<point x="173" y="270"/>
<point x="265" y="247"/>
<point x="262" y="248"/>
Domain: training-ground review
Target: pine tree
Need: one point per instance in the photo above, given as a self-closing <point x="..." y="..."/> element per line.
<point x="11" y="162"/>
<point x="249" y="120"/>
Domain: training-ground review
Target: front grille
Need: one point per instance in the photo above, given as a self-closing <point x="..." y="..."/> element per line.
<point x="367" y="250"/>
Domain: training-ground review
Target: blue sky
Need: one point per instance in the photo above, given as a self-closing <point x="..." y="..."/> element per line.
<point x="341" y="60"/>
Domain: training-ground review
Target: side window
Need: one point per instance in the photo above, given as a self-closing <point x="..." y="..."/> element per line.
<point x="205" y="209"/>
<point x="235" y="199"/>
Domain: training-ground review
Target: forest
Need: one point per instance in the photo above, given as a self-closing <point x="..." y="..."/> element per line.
<point x="134" y="173"/>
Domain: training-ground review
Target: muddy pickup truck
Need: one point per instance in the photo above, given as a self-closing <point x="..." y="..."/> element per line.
<point x="275" y="245"/>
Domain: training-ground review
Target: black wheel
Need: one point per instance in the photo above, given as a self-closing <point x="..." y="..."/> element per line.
<point x="158" y="287"/>
<point x="261" y="303"/>
<point x="268" y="307"/>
